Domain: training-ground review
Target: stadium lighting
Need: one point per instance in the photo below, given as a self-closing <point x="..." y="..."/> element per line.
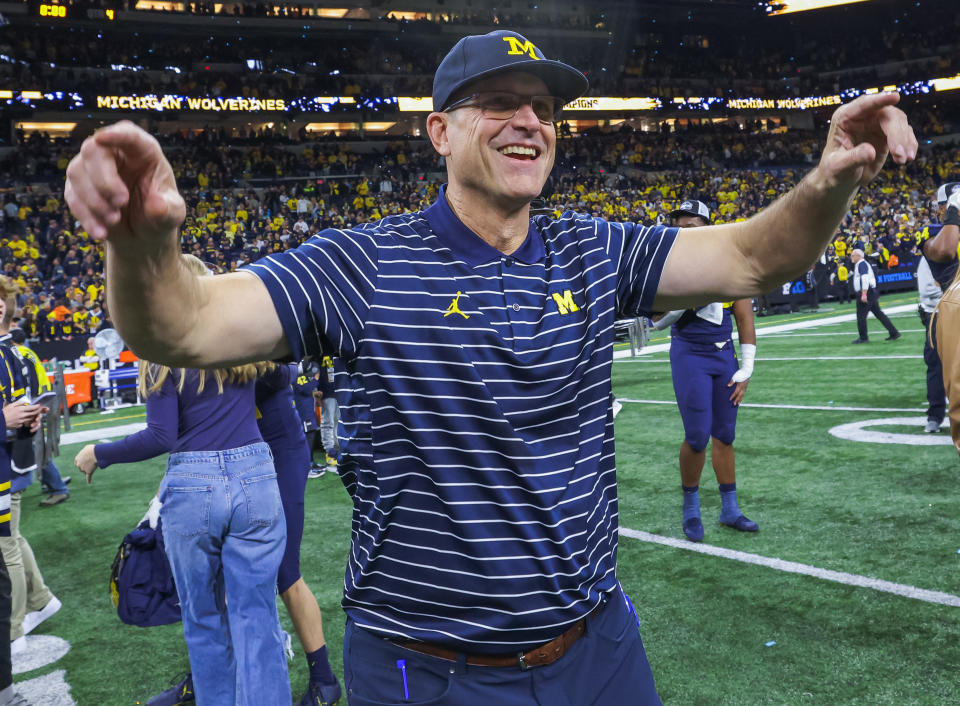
<point x="947" y="84"/>
<point x="785" y="7"/>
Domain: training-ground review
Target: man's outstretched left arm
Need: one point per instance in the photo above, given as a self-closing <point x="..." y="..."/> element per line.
<point x="778" y="244"/>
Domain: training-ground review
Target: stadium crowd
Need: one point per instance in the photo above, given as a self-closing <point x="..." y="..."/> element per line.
<point x="666" y="59"/>
<point x="815" y="60"/>
<point x="232" y="219"/>
<point x="473" y="17"/>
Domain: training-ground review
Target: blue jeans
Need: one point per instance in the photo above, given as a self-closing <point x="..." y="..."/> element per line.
<point x="224" y="532"/>
<point x="329" y="418"/>
<point x="605" y="667"/>
<point x="51" y="480"/>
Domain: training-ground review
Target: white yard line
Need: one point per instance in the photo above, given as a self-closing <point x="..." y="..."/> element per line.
<point x="805" y="334"/>
<point x="898" y="589"/>
<point x="845" y="357"/>
<point x="79" y="437"/>
<point x="780" y="328"/>
<point x="859" y="358"/>
<point x="803" y="407"/>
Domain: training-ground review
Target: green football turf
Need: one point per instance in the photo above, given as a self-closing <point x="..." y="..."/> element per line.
<point x="884" y="511"/>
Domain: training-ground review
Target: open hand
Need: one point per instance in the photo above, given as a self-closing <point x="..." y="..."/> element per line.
<point x="739" y="390"/>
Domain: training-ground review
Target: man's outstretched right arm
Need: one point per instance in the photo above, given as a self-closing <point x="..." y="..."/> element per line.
<point x="122" y="190"/>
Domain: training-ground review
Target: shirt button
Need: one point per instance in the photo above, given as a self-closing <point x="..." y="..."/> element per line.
<point x="516" y="307"/>
<point x="508" y="262"/>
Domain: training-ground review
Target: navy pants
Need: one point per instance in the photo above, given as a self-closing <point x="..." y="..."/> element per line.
<point x="291" y="458"/>
<point x="936" y="394"/>
<point x="701" y="373"/>
<point x="605" y="667"/>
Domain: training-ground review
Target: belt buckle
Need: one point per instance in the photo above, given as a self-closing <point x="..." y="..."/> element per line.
<point x="521" y="658"/>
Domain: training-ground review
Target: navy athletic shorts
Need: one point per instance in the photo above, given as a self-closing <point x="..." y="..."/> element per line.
<point x="701" y="373"/>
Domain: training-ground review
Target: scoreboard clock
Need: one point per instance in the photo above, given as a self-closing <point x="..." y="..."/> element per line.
<point x="55" y="11"/>
<point x="62" y="12"/>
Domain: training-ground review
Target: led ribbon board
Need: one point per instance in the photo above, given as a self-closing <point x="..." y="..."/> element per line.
<point x="785" y="7"/>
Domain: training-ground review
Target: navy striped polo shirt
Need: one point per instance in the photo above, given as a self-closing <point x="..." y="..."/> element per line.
<point x="486" y="516"/>
<point x="353" y="431"/>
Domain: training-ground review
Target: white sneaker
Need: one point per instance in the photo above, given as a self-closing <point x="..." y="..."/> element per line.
<point x="316" y="473"/>
<point x="933" y="426"/>
<point x="32" y="620"/>
<point x="9" y="697"/>
<point x="19" y="645"/>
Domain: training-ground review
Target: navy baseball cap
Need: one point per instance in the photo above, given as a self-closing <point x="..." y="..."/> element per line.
<point x="692" y="207"/>
<point x="946" y="190"/>
<point x="480" y="55"/>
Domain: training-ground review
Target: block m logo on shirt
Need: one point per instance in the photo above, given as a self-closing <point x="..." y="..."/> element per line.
<point x="565" y="303"/>
<point x="524" y="47"/>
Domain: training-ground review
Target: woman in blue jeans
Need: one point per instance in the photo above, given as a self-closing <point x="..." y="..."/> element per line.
<point x="223" y="526"/>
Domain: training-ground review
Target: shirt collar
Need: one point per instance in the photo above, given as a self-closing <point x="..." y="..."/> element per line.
<point x="470" y="247"/>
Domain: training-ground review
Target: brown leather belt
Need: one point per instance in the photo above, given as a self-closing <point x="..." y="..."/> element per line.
<point x="541" y="656"/>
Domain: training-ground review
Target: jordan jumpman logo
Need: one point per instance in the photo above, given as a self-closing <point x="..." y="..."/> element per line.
<point x="454" y="307"/>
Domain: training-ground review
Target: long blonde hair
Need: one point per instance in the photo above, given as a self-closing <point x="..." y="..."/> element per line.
<point x="151" y="376"/>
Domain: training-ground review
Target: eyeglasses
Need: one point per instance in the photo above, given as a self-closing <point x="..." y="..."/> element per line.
<point x="502" y="105"/>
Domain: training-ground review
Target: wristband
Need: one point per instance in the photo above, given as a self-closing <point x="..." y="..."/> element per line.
<point x="668" y="319"/>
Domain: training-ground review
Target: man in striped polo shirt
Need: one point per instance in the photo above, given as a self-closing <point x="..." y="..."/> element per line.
<point x="484" y="534"/>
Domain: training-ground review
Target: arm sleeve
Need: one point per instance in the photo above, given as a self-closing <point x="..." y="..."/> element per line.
<point x="639" y="253"/>
<point x="322" y="291"/>
<point x="158" y="438"/>
<point x="274" y="381"/>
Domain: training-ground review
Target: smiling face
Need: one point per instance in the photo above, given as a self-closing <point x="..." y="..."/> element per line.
<point x="504" y="163"/>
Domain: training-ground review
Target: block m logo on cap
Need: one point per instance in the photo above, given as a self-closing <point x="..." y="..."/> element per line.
<point x="521" y="47"/>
